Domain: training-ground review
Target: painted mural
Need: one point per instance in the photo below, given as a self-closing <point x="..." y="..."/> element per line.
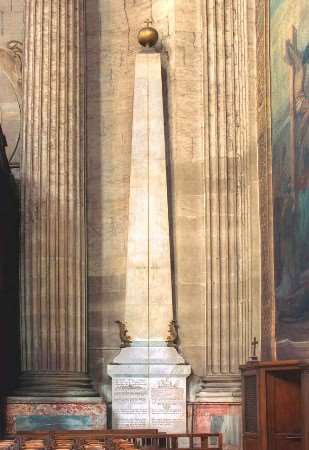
<point x="290" y="140"/>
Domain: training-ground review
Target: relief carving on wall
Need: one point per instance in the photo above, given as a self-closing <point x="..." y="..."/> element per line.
<point x="11" y="62"/>
<point x="172" y="337"/>
<point x="125" y="339"/>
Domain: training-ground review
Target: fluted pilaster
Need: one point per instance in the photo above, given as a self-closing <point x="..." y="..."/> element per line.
<point x="229" y="246"/>
<point x="53" y="265"/>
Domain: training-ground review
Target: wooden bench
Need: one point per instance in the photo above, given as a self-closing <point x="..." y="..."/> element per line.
<point x="109" y="440"/>
<point x="162" y="441"/>
<point x="79" y="435"/>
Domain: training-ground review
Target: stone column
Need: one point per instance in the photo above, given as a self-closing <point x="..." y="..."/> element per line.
<point x="53" y="263"/>
<point x="232" y="316"/>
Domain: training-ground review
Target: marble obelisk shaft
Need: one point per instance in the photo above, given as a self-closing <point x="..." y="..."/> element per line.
<point x="148" y="288"/>
<point x="149" y="377"/>
<point x="53" y="263"/>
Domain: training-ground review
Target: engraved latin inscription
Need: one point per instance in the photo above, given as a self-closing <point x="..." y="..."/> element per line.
<point x="130" y="402"/>
<point x="168" y="404"/>
<point x="150" y="403"/>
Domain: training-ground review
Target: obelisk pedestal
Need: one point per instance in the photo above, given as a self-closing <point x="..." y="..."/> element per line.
<point x="149" y="375"/>
<point x="149" y="389"/>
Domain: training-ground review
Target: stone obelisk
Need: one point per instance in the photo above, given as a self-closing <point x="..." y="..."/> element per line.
<point x="149" y="375"/>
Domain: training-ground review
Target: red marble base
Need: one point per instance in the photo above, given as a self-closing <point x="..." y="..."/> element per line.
<point x="33" y="413"/>
<point x="213" y="417"/>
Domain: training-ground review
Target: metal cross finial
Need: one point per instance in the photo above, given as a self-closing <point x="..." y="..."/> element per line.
<point x="254" y="346"/>
<point x="148" y="22"/>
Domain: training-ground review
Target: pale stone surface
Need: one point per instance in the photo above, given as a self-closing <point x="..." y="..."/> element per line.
<point x="145" y="390"/>
<point x="148" y="300"/>
<point x="213" y="175"/>
<point x="150" y="402"/>
<point x="149" y="355"/>
<point x="110" y="65"/>
<point x="149" y="389"/>
<point x="194" y="56"/>
<point x="201" y="104"/>
<point x="11" y="21"/>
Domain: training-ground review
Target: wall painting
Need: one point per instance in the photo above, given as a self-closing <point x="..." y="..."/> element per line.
<point x="289" y="27"/>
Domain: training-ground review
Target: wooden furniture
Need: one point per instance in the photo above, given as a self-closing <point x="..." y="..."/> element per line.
<point x="109" y="439"/>
<point x="276" y="405"/>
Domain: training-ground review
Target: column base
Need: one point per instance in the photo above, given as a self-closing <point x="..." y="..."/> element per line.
<point x="52" y="413"/>
<point x="217" y="408"/>
<point x="222" y="418"/>
<point x="54" y="384"/>
<point x="149" y="389"/>
<point x="220" y="389"/>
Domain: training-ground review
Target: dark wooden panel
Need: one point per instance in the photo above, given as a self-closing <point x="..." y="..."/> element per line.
<point x="284" y="402"/>
<point x="250" y="404"/>
<point x="278" y="393"/>
<point x="284" y="410"/>
<point x="251" y="443"/>
<point x="286" y="444"/>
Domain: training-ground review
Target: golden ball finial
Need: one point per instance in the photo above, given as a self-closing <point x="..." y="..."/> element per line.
<point x="148" y="36"/>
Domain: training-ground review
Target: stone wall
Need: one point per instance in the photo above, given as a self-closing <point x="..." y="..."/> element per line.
<point x="112" y="28"/>
<point x="11" y="21"/>
<point x="184" y="28"/>
<point x="11" y="29"/>
<point x="215" y="319"/>
<point x="111" y="47"/>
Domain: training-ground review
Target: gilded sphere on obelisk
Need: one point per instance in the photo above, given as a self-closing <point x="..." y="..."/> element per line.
<point x="148" y="36"/>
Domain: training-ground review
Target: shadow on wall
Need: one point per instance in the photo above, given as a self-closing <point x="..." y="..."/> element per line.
<point x="96" y="88"/>
<point x="111" y="50"/>
<point x="169" y="177"/>
<point x="110" y="68"/>
<point x="9" y="280"/>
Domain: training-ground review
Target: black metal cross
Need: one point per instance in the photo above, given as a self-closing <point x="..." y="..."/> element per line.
<point x="148" y="22"/>
<point x="254" y="346"/>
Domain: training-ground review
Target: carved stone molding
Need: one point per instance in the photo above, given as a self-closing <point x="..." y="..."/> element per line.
<point x="11" y="63"/>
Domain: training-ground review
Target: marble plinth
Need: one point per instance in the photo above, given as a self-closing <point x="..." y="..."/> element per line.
<point x="149" y="393"/>
<point x="50" y="413"/>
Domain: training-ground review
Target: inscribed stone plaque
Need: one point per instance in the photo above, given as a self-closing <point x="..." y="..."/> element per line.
<point x="168" y="404"/>
<point x="130" y="402"/>
<point x="158" y="402"/>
